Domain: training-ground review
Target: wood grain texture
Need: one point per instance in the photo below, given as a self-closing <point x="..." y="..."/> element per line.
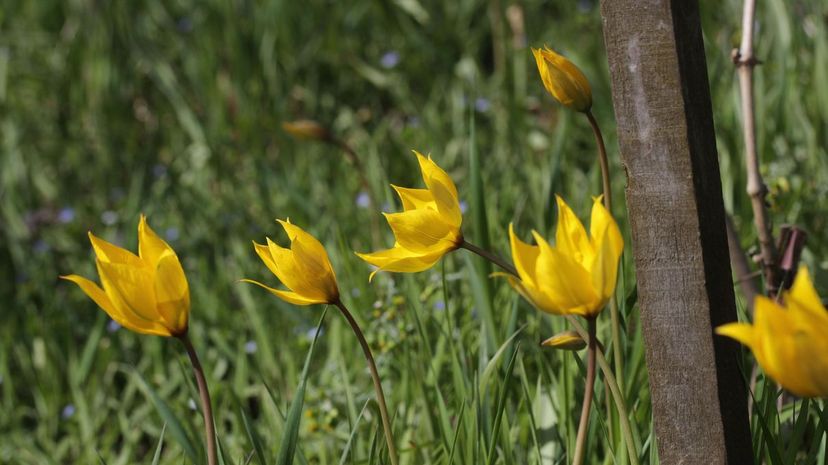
<point x="667" y="141"/>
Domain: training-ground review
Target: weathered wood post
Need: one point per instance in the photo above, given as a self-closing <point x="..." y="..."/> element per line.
<point x="665" y="131"/>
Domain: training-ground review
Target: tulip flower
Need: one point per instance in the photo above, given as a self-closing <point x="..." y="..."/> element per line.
<point x="146" y="293"/>
<point x="428" y="227"/>
<point x="563" y="80"/>
<point x="789" y="340"/>
<point x="307" y="272"/>
<point x="567" y="340"/>
<point x="577" y="276"/>
<point x="304" y="268"/>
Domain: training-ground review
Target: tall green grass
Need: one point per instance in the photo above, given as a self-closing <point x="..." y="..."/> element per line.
<point x="110" y="109"/>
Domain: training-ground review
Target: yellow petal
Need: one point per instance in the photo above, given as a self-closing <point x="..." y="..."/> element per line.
<point x="422" y="231"/>
<point x="130" y="289"/>
<point x="803" y="296"/>
<point x="570" y="236"/>
<point x="172" y="293"/>
<point x="741" y="332"/>
<point x="601" y="222"/>
<point x="563" y="80"/>
<point x="293" y="276"/>
<point x="567" y="340"/>
<point x="415" y="198"/>
<point x="263" y="251"/>
<point x="604" y="267"/>
<point x="400" y="260"/>
<point x="150" y="246"/>
<point x="111" y="253"/>
<point x="98" y="295"/>
<point x="565" y="282"/>
<point x="289" y="297"/>
<point x="316" y="251"/>
<point x="317" y="268"/>
<point x="524" y="255"/>
<point x="442" y="189"/>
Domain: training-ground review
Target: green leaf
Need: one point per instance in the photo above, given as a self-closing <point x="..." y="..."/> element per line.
<point x="291" y="435"/>
<point x="176" y="427"/>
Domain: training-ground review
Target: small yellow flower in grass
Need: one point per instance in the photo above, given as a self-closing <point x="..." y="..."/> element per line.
<point x="577" y="276"/>
<point x="563" y="80"/>
<point x="146" y="293"/>
<point x="304" y="268"/>
<point x="428" y="227"/>
<point x="789" y="341"/>
<point x="567" y="340"/>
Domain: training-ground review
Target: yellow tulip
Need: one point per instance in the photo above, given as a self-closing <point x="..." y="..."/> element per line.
<point x="567" y="340"/>
<point x="577" y="276"/>
<point x="304" y="268"/>
<point x="563" y="80"/>
<point x="146" y="293"/>
<point x="789" y="341"/>
<point x="428" y="227"/>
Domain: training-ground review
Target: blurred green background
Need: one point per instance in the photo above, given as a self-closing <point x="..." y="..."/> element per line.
<point x="173" y="109"/>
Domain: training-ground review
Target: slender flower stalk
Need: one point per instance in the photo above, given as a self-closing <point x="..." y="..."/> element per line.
<point x="609" y="377"/>
<point x="615" y="319"/>
<point x="372" y="366"/>
<point x="204" y="394"/>
<point x="306" y="271"/>
<point x="580" y="440"/>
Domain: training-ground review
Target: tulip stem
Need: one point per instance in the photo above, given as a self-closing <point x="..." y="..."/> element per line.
<point x="489" y="256"/>
<point x="609" y="377"/>
<point x="366" y="349"/>
<point x="206" y="406"/>
<point x="580" y="441"/>
<point x="603" y="160"/>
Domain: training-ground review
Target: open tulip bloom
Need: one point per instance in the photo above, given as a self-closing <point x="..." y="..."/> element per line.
<point x="146" y="293"/>
<point x="577" y="275"/>
<point x="304" y="268"/>
<point x="789" y="340"/>
<point x="307" y="272"/>
<point x="563" y="80"/>
<point x="426" y="229"/>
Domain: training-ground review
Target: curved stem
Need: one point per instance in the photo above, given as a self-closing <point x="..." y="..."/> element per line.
<point x="366" y="349"/>
<point x="206" y="406"/>
<point x="609" y="377"/>
<point x="489" y="256"/>
<point x="589" y="391"/>
<point x="603" y="160"/>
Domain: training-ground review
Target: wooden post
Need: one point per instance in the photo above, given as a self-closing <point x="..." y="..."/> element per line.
<point x="665" y="132"/>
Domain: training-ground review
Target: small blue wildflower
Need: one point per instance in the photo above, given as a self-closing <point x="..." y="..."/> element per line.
<point x="113" y="326"/>
<point x="172" y="234"/>
<point x="66" y="215"/>
<point x="251" y="347"/>
<point x="390" y="59"/>
<point x="67" y="411"/>
<point x="482" y="105"/>
<point x="363" y="200"/>
<point x="463" y="206"/>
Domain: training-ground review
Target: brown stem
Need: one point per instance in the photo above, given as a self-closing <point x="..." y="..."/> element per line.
<point x="602" y="160"/>
<point x="206" y="406"/>
<point x="366" y="349"/>
<point x="615" y="318"/>
<point x="756" y="189"/>
<point x="741" y="266"/>
<point x="489" y="256"/>
<point x="580" y="441"/>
